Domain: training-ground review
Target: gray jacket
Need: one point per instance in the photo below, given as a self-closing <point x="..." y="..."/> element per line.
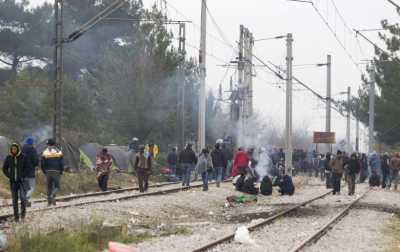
<point x="204" y="163"/>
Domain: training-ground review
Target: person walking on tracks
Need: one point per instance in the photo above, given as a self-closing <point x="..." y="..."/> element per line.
<point x="219" y="162"/>
<point x="337" y="166"/>
<point x="395" y="168"/>
<point x="52" y="165"/>
<point x="104" y="162"/>
<point x="353" y="168"/>
<point x="142" y="167"/>
<point x="204" y="166"/>
<point x="15" y="168"/>
<point x="30" y="180"/>
<point x="172" y="161"/>
<point x="385" y="162"/>
<point x="187" y="160"/>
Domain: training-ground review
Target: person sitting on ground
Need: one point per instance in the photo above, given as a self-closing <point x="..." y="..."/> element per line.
<point x="240" y="181"/>
<point x="374" y="179"/>
<point x="266" y="186"/>
<point x="248" y="186"/>
<point x="285" y="184"/>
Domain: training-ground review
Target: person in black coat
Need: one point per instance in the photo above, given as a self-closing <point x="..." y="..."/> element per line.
<point x="219" y="163"/>
<point x="15" y="167"/>
<point x="266" y="186"/>
<point x="285" y="184"/>
<point x="385" y="162"/>
<point x="30" y="180"/>
<point x="172" y="160"/>
<point x="353" y="166"/>
<point x="187" y="161"/>
<point x="374" y="179"/>
<point x="248" y="185"/>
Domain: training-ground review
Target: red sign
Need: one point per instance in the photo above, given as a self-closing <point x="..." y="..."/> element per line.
<point x="325" y="137"/>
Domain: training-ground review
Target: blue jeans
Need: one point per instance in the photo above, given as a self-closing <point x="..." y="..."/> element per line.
<point x="204" y="177"/>
<point x="187" y="172"/>
<point x="173" y="168"/>
<point x="218" y="173"/>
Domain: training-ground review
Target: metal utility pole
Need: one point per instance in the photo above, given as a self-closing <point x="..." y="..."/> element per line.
<point x="328" y="97"/>
<point x="58" y="71"/>
<point x="289" y="104"/>
<point x="250" y="64"/>
<point x="371" y="110"/>
<point x="202" y="61"/>
<point x="348" y="146"/>
<point x="181" y="99"/>
<point x="241" y="86"/>
<point x="358" y="126"/>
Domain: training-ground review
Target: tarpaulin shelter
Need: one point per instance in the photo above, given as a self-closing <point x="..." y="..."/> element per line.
<point x="91" y="150"/>
<point x="121" y="155"/>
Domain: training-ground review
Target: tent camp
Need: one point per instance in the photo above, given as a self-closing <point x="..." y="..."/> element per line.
<point x="121" y="156"/>
<point x="91" y="150"/>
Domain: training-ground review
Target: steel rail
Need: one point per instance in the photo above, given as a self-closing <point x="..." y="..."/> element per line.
<point x="94" y="194"/>
<point x="4" y="217"/>
<point x="324" y="229"/>
<point x="263" y="223"/>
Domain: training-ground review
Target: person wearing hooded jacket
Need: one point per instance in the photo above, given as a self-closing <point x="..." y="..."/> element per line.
<point x="353" y="168"/>
<point x="52" y="165"/>
<point x="15" y="168"/>
<point x="30" y="180"/>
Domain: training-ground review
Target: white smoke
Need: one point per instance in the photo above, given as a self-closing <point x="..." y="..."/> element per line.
<point x="264" y="165"/>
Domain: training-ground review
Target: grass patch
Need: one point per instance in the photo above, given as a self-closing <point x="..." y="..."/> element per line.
<point x="89" y="238"/>
<point x="82" y="182"/>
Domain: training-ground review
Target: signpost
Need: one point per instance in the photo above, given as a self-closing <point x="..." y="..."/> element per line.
<point x="324" y="138"/>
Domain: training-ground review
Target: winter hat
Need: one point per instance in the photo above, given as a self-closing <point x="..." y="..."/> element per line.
<point x="51" y="142"/>
<point x="29" y="140"/>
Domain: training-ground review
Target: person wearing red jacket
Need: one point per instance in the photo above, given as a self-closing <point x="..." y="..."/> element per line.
<point x="241" y="162"/>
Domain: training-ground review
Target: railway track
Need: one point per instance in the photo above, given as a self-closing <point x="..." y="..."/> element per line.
<point x="304" y="243"/>
<point x="267" y="221"/>
<point x="5" y="217"/>
<point x="325" y="228"/>
<point x="94" y="194"/>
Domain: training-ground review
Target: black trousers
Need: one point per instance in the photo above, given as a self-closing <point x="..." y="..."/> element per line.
<point x="53" y="185"/>
<point x="143" y="179"/>
<point x="18" y="192"/>
<point x="336" y="179"/>
<point x="385" y="177"/>
<point x="103" y="182"/>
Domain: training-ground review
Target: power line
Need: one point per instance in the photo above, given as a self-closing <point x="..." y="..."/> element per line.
<point x="336" y="37"/>
<point x="341" y="17"/>
<point x="221" y="33"/>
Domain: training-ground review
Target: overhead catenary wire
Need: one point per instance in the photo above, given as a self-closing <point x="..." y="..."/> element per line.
<point x="336" y="37"/>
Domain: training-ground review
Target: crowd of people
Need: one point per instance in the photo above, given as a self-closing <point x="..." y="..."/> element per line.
<point x="222" y="162"/>
<point x="20" y="168"/>
<point x="218" y="163"/>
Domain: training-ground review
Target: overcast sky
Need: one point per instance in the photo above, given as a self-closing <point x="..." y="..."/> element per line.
<point x="312" y="42"/>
